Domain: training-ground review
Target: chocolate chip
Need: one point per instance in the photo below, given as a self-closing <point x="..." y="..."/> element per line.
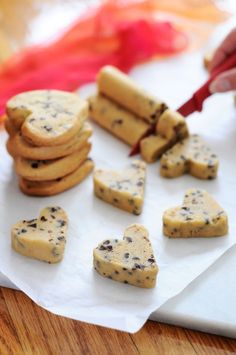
<point x="43" y="219"/>
<point x="23" y="230"/>
<point x="128" y="239"/>
<point x="34" y="165"/>
<point x="151" y="260"/>
<point x="33" y="225"/>
<point x="61" y="223"/>
<point x="126" y="255"/>
<point x="125" y="282"/>
<point x="106" y="242"/>
<point x="61" y="238"/>
<point x="47" y="128"/>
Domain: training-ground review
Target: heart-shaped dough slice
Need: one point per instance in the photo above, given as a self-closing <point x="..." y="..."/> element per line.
<point x="43" y="238"/>
<point x="199" y="216"/>
<point x="125" y="189"/>
<point x="191" y="156"/>
<point x="47" y="117"/>
<point x="130" y="260"/>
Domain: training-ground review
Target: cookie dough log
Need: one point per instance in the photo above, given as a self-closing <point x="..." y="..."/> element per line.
<point x="152" y="147"/>
<point x="53" y="187"/>
<point x="130" y="260"/>
<point x="124" y="190"/>
<point x="192" y="156"/>
<point x="199" y="216"/>
<point x="120" y="88"/>
<point x="18" y="146"/>
<point x="42" y="238"/>
<point x="41" y="170"/>
<point x="47" y="117"/>
<point x="120" y="122"/>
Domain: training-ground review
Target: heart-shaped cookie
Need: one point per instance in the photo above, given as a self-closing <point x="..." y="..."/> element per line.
<point x="45" y="170"/>
<point x="47" y="117"/>
<point x="199" y="216"/>
<point x="43" y="238"/>
<point x="130" y="260"/>
<point x="125" y="189"/>
<point x="53" y="187"/>
<point x="191" y="156"/>
<point x="18" y="146"/>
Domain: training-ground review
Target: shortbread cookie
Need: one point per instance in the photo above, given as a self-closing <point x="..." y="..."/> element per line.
<point x="152" y="147"/>
<point x="199" y="216"/>
<point x="11" y="130"/>
<point x="124" y="190"/>
<point x="18" y="146"/>
<point x="43" y="238"/>
<point x="53" y="187"/>
<point x="41" y="170"/>
<point x="119" y="87"/>
<point x="172" y="126"/>
<point x="120" y="122"/>
<point x="130" y="260"/>
<point x="47" y="117"/>
<point x="191" y="156"/>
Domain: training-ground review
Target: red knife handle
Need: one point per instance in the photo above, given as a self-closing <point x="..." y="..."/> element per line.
<point x="201" y="94"/>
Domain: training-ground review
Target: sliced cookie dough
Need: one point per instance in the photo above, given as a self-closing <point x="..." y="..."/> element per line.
<point x="121" y="123"/>
<point x="53" y="187"/>
<point x="152" y="147"/>
<point x="199" y="216"/>
<point x="18" y="146"/>
<point x="124" y="190"/>
<point x="130" y="260"/>
<point x="42" y="238"/>
<point x="170" y="128"/>
<point x="41" y="170"/>
<point x="120" y="88"/>
<point x="192" y="156"/>
<point x="47" y="117"/>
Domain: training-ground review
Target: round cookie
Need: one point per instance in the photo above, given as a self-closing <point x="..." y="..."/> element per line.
<point x="47" y="117"/>
<point x="49" y="188"/>
<point x="43" y="170"/>
<point x="18" y="146"/>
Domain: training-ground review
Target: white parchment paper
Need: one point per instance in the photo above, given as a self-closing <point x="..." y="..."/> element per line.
<point x="72" y="288"/>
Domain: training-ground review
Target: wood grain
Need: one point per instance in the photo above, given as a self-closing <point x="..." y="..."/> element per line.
<point x="28" y="329"/>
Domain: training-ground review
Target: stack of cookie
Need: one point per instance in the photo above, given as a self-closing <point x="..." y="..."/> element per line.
<point x="48" y="139"/>
<point x="130" y="113"/>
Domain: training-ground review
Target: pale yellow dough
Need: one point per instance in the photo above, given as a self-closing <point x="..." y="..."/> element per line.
<point x="152" y="147"/>
<point x="130" y="260"/>
<point x="170" y="128"/>
<point x="124" y="190"/>
<point x="120" y="88"/>
<point x="192" y="156"/>
<point x="199" y="216"/>
<point x="120" y="122"/>
<point x="43" y="238"/>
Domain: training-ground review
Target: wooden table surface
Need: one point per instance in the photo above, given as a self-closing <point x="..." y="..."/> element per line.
<point x="26" y="328"/>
